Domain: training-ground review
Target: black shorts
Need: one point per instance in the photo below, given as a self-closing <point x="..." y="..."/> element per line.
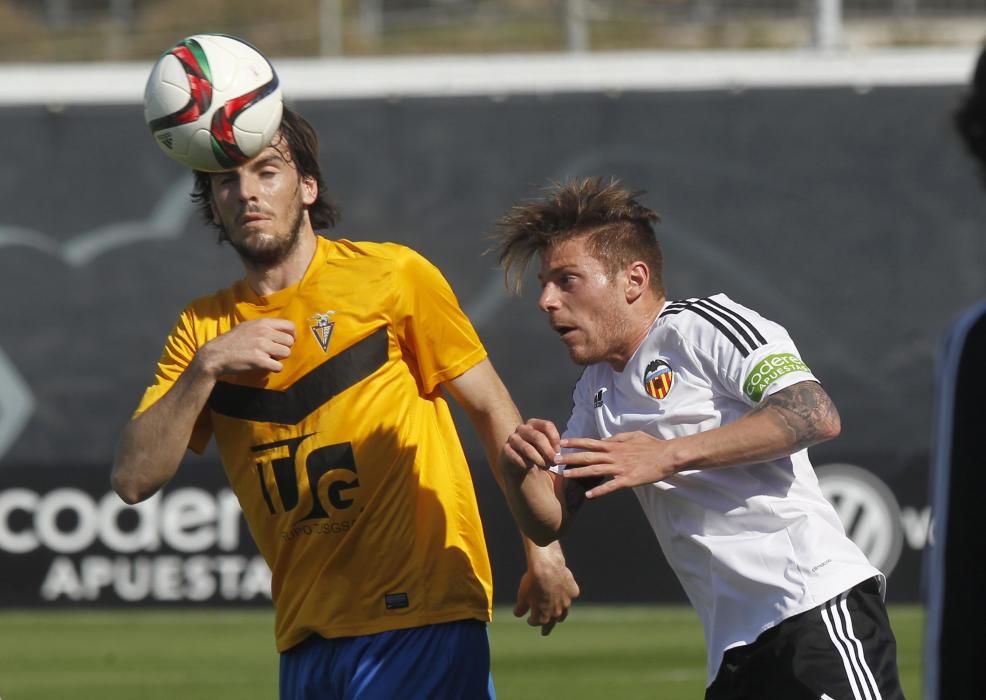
<point x="842" y="650"/>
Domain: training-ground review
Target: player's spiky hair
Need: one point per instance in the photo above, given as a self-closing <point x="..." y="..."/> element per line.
<point x="618" y="229"/>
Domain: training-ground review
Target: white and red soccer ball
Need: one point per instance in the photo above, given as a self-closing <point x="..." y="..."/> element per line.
<point x="213" y="102"/>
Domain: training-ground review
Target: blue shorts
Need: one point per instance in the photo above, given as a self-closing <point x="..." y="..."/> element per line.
<point x="435" y="662"/>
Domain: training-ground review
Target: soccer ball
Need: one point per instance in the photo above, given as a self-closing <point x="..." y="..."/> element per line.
<point x="213" y="102"/>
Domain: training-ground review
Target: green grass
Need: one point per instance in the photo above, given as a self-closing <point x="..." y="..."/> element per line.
<point x="600" y="651"/>
<point x="625" y="653"/>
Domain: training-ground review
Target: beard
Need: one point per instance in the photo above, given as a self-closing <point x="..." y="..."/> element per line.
<point x="266" y="251"/>
<point x="604" y="338"/>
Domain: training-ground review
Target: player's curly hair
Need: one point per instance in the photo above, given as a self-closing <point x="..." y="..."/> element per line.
<point x="970" y="117"/>
<point x="302" y="143"/>
<point x="619" y="229"/>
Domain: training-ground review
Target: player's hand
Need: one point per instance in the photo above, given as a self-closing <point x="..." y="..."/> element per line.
<point x="532" y="445"/>
<point x="260" y="344"/>
<point x="631" y="459"/>
<point x="546" y="589"/>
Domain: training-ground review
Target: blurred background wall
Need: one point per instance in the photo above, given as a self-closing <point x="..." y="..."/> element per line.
<point x="801" y="155"/>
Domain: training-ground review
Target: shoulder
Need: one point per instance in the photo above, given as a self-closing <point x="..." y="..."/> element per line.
<point x="395" y="257"/>
<point x="717" y="319"/>
<point x="212" y="305"/>
<point x="378" y="251"/>
<point x="202" y="317"/>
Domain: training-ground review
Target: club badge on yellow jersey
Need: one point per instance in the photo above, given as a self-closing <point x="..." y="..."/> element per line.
<point x="322" y="328"/>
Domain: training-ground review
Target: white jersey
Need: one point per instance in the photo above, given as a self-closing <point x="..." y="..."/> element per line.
<point x="751" y="544"/>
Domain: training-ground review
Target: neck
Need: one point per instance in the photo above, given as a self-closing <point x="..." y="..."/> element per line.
<point x="267" y="279"/>
<point x="638" y="327"/>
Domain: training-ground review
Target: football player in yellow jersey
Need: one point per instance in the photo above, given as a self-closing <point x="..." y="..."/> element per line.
<point x="322" y="376"/>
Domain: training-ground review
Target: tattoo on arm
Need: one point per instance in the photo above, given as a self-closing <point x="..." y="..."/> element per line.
<point x="804" y="411"/>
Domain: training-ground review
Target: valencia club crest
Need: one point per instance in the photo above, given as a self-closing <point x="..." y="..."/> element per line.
<point x="658" y="378"/>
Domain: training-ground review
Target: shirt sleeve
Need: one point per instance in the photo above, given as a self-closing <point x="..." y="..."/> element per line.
<point x="431" y="324"/>
<point x="749" y="356"/>
<point x="581" y="423"/>
<point x="179" y="350"/>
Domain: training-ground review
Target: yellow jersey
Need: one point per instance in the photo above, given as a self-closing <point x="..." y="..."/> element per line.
<point x="346" y="463"/>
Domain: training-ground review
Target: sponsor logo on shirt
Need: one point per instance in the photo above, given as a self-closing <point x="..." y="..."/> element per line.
<point x="303" y="475"/>
<point x="819" y="566"/>
<point x="322" y="328"/>
<point x="299" y="474"/>
<point x="769" y="370"/>
<point x="597" y="400"/>
<point x="658" y="379"/>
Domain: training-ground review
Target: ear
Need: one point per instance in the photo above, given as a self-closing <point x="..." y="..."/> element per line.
<point x="309" y="190"/>
<point x="637" y="280"/>
<point x="215" y="213"/>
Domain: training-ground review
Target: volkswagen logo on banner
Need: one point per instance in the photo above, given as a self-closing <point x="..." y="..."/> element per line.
<point x="868" y="510"/>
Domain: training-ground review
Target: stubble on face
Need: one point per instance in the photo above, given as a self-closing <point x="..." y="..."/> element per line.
<point x="592" y="308"/>
<point x="268" y="250"/>
<point x="604" y="331"/>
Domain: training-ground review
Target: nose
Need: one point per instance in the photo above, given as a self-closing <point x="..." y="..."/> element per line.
<point x="549" y="299"/>
<point x="247" y="187"/>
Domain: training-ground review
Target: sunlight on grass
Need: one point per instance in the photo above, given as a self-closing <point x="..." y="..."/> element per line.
<point x="618" y="652"/>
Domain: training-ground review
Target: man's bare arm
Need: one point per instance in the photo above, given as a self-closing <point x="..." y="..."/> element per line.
<point x="547" y="589"/>
<point x="787" y="421"/>
<point x="804" y="412"/>
<point x="152" y="444"/>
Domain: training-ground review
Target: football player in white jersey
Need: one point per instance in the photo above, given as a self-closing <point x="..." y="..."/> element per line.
<point x="704" y="408"/>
